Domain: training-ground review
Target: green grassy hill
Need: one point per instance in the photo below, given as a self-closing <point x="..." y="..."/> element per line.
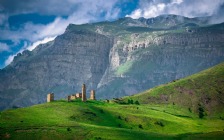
<point x="171" y="111"/>
<point x="200" y="93"/>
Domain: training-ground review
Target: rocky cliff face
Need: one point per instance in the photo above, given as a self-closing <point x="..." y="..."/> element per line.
<point x="155" y="60"/>
<point x="61" y="66"/>
<point x="116" y="58"/>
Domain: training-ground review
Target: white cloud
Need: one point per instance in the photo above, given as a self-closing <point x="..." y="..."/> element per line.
<point x="153" y="10"/>
<point x="9" y="59"/>
<point x="176" y="1"/>
<point x="35" y="44"/>
<point x="86" y="11"/>
<point x="136" y="14"/>
<point x="188" y="8"/>
<point x="4" y="47"/>
<point x="28" y="47"/>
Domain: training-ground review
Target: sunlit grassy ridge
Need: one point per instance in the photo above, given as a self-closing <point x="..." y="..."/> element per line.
<point x="169" y="111"/>
<point x="100" y="120"/>
<point x="204" y="89"/>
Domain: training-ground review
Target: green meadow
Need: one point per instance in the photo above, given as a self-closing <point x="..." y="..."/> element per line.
<point x="102" y="120"/>
<point x="188" y="108"/>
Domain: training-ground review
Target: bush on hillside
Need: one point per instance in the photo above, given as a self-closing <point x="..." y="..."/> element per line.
<point x="137" y="103"/>
<point x="69" y="129"/>
<point x="119" y="117"/>
<point x="130" y="101"/>
<point x="159" y="123"/>
<point x="190" y="109"/>
<point x="98" y="138"/>
<point x="201" y="111"/>
<point x="140" y="126"/>
<point x="126" y="119"/>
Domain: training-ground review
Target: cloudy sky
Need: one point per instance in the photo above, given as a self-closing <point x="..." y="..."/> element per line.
<point x="26" y="23"/>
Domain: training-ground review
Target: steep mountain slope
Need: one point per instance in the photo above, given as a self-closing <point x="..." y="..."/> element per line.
<point x="115" y="58"/>
<point x="146" y="59"/>
<point x="60" y="66"/>
<point x="200" y="93"/>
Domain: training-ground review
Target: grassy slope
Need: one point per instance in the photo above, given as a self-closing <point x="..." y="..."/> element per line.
<point x="163" y="113"/>
<point x="95" y="119"/>
<point x="203" y="89"/>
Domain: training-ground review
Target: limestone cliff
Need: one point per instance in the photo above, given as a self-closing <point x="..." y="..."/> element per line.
<point x="116" y="58"/>
<point x="61" y="66"/>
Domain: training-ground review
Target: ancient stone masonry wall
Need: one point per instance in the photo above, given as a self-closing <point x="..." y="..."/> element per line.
<point x="83" y="92"/>
<point x="50" y="97"/>
<point x="73" y="96"/>
<point x="78" y="95"/>
<point x="92" y="95"/>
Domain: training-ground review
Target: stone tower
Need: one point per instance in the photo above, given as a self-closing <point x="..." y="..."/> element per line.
<point x="83" y="92"/>
<point x="69" y="98"/>
<point x="50" y="97"/>
<point x="92" y="95"/>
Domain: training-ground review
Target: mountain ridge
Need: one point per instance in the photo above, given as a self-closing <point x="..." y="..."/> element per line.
<point x="116" y="58"/>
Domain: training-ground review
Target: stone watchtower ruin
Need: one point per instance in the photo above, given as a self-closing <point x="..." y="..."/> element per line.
<point x="83" y="92"/>
<point x="50" y="97"/>
<point x="92" y="95"/>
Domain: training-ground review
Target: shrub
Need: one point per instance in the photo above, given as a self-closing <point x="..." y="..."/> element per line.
<point x="98" y="138"/>
<point x="137" y="103"/>
<point x="130" y="101"/>
<point x="126" y="119"/>
<point x="140" y="126"/>
<point x="189" y="109"/>
<point x="90" y="113"/>
<point x="201" y="111"/>
<point x="119" y="117"/>
<point x="159" y="123"/>
<point x="69" y="129"/>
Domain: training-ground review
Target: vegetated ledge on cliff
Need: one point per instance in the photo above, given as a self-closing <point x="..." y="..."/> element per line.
<point x="116" y="58"/>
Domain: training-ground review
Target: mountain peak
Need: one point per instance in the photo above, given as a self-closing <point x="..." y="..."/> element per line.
<point x="116" y="58"/>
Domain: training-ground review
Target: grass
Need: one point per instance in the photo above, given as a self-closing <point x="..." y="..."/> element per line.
<point x="204" y="89"/>
<point x="124" y="68"/>
<point x="98" y="120"/>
